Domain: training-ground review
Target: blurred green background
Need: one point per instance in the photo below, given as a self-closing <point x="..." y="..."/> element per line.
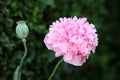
<point x="39" y="14"/>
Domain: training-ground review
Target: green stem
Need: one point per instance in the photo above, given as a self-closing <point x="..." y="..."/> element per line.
<point x="50" y="77"/>
<point x="17" y="73"/>
<point x="25" y="54"/>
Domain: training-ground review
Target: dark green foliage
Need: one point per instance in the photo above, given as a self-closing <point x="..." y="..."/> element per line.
<point x="39" y="14"/>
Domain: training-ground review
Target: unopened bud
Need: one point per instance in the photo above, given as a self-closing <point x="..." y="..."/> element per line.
<point x="22" y="29"/>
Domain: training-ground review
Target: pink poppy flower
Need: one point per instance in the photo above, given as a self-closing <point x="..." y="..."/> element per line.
<point x="73" y="38"/>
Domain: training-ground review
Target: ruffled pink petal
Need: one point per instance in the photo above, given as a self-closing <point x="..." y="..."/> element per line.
<point x="77" y="60"/>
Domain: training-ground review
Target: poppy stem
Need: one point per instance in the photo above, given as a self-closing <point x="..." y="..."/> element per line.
<point x="54" y="70"/>
<point x="17" y="73"/>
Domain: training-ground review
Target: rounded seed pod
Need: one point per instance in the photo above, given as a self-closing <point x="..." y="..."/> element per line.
<point x="22" y="29"/>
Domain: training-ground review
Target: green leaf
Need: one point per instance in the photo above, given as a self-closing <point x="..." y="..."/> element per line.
<point x="17" y="74"/>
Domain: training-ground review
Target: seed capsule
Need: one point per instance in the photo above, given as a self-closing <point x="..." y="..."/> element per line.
<point x="22" y="29"/>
